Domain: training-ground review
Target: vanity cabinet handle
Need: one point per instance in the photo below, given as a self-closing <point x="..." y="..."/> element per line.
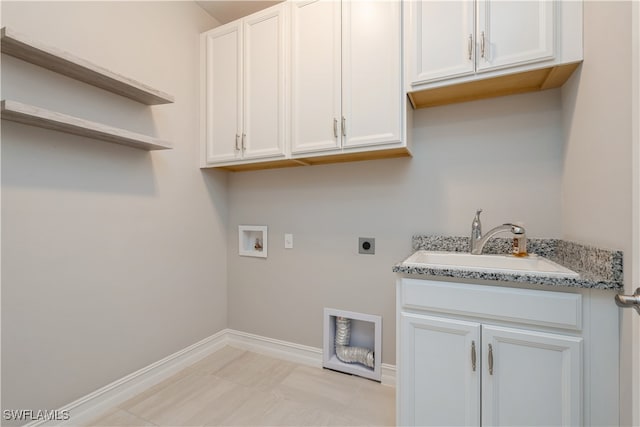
<point x="237" y="146"/>
<point x="482" y="45"/>
<point x="244" y="146"/>
<point x="344" y="126"/>
<point x="473" y="356"/>
<point x="335" y="127"/>
<point x="490" y="360"/>
<point x="470" y="46"/>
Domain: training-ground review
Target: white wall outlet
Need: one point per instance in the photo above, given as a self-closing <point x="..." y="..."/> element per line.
<point x="288" y="241"/>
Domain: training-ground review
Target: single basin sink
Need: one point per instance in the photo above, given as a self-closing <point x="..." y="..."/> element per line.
<point x="509" y="264"/>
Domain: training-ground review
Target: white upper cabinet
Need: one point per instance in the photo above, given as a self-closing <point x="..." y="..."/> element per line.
<point x="304" y="82"/>
<point x="347" y="75"/>
<point x="245" y="75"/>
<point x="372" y="101"/>
<point x="515" y="32"/>
<point x="315" y="57"/>
<point x="265" y="71"/>
<point x="445" y="31"/>
<point x="223" y="114"/>
<point x="482" y="44"/>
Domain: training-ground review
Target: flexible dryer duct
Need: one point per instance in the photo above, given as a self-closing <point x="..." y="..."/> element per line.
<point x="344" y="351"/>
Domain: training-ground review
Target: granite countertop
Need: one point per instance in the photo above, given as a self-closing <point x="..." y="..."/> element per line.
<point x="598" y="268"/>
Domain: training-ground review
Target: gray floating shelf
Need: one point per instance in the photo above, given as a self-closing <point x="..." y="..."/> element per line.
<point x="36" y="116"/>
<point x="64" y="63"/>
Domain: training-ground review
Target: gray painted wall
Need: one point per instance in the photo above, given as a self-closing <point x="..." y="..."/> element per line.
<point x="112" y="258"/>
<point x="504" y="155"/>
<point x="597" y="178"/>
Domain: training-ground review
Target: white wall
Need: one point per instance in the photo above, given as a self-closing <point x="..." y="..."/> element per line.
<point x="597" y="180"/>
<point x="504" y="155"/>
<point x="113" y="258"/>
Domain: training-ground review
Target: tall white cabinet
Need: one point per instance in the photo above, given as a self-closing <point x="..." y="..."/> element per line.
<point x="346" y="74"/>
<point x="245" y="75"/>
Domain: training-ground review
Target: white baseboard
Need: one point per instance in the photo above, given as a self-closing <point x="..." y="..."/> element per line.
<point x="305" y="355"/>
<point x="97" y="403"/>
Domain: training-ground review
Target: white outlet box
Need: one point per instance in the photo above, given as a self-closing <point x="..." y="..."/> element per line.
<point x="252" y="240"/>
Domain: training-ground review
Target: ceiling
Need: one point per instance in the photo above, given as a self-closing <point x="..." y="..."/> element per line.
<point x="229" y="10"/>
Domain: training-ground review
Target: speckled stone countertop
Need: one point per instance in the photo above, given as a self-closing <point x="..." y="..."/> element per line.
<point x="598" y="268"/>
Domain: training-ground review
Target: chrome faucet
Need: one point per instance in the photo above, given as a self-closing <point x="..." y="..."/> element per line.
<point x="478" y="240"/>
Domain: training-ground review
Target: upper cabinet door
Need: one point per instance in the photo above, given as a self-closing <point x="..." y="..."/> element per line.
<point x="223" y="109"/>
<point x="315" y="76"/>
<point x="515" y="32"/>
<point x="265" y="75"/>
<point x="371" y="72"/>
<point x="530" y="378"/>
<point x="444" y="40"/>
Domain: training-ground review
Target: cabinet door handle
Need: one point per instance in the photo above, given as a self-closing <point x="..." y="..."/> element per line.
<point x="344" y="126"/>
<point x="473" y="356"/>
<point x="335" y="127"/>
<point x="470" y="46"/>
<point x="244" y="146"/>
<point x="482" y="44"/>
<point x="237" y="146"/>
<point x="490" y="360"/>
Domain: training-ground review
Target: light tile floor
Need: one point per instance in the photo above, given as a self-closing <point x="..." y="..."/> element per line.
<point x="234" y="387"/>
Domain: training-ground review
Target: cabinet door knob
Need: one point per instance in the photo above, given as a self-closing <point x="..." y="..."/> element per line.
<point x="490" y="360"/>
<point x="473" y="356"/>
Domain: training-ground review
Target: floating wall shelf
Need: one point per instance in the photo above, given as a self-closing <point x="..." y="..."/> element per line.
<point x="64" y="63"/>
<point x="35" y="116"/>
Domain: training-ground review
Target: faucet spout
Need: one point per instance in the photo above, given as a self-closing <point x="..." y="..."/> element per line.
<point x="478" y="240"/>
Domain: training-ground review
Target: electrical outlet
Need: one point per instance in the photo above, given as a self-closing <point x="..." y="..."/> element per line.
<point x="366" y="245"/>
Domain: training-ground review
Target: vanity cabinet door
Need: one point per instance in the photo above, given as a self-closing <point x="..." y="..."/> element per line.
<point x="530" y="378"/>
<point x="439" y="383"/>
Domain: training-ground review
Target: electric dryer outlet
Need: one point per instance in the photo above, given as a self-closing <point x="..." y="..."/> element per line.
<point x="367" y="245"/>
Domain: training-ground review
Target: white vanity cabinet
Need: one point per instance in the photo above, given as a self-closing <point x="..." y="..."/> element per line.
<point x="346" y="75"/>
<point x="244" y="80"/>
<point x="462" y="41"/>
<point x="487" y="355"/>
